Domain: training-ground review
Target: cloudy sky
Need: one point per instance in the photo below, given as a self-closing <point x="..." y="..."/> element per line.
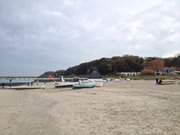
<point x="43" y="35"/>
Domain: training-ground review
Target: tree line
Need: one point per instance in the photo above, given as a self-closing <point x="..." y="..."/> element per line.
<point x="117" y="64"/>
<point x="126" y="63"/>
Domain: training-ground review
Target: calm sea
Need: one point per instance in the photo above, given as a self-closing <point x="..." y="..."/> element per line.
<point x="5" y="80"/>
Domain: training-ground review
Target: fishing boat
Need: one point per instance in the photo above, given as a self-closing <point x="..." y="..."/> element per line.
<point x="64" y="84"/>
<point x="84" y="84"/>
<point x="27" y="87"/>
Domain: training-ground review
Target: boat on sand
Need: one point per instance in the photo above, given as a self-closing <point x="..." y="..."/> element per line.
<point x="84" y="84"/>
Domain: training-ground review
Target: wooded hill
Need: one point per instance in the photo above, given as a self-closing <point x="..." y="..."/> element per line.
<point x="126" y="63"/>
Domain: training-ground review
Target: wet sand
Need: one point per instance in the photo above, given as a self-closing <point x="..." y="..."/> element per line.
<point x="122" y="107"/>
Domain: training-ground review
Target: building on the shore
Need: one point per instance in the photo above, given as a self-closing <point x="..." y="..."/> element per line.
<point x="126" y="74"/>
<point x="168" y="71"/>
<point x="177" y="71"/>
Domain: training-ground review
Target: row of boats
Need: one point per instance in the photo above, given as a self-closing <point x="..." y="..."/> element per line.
<point x="87" y="83"/>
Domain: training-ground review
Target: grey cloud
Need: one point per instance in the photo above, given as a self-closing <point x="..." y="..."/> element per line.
<point x="47" y="35"/>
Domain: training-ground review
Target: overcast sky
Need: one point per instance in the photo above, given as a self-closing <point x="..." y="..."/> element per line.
<point x="43" y="35"/>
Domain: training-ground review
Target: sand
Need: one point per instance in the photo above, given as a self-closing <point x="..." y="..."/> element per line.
<point x="118" y="108"/>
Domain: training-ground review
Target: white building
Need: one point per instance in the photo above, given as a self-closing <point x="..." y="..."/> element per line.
<point x="129" y="73"/>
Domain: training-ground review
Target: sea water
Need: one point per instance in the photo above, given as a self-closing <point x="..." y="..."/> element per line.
<point x="15" y="81"/>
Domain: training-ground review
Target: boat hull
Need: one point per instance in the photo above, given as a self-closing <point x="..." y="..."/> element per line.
<point x="82" y="86"/>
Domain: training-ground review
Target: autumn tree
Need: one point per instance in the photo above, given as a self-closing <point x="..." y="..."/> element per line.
<point x="156" y="65"/>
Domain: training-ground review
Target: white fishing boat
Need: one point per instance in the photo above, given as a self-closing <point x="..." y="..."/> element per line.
<point x="84" y="84"/>
<point x="27" y="87"/>
<point x="64" y="84"/>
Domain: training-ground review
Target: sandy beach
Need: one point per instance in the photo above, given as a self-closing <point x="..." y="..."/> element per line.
<point x="118" y="108"/>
